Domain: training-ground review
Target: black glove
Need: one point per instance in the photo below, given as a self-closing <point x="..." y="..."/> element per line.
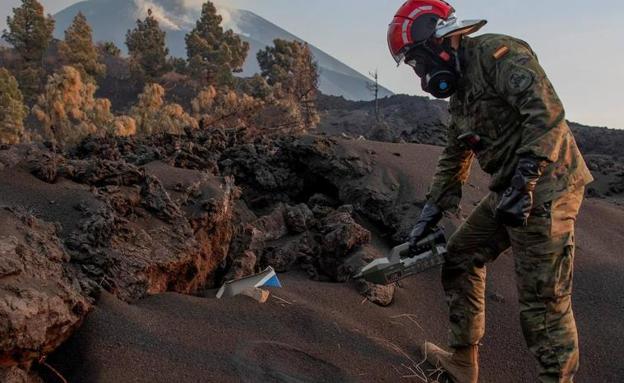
<point x="429" y="218"/>
<point x="515" y="205"/>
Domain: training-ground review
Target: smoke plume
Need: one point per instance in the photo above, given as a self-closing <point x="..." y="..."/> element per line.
<point x="181" y="14"/>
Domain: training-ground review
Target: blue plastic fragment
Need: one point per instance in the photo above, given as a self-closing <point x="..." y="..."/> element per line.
<point x="273" y="282"/>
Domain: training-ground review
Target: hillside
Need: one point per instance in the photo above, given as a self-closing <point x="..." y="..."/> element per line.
<point x="421" y="120"/>
<point x="111" y="19"/>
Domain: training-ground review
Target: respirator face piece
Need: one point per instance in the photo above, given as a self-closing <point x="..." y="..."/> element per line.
<point x="436" y="69"/>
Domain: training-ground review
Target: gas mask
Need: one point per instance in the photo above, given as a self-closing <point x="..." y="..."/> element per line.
<point x="437" y="66"/>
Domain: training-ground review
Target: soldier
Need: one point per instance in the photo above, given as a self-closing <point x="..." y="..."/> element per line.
<point x="506" y="114"/>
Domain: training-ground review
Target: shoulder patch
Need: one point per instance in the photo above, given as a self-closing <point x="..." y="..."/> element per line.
<point x="519" y="80"/>
<point x="501" y="52"/>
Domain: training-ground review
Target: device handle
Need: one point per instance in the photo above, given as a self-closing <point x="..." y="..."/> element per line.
<point x="399" y="252"/>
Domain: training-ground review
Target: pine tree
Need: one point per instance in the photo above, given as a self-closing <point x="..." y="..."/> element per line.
<point x="154" y="116"/>
<point x="30" y="31"/>
<point x="69" y="112"/>
<point x="12" y="110"/>
<point x="147" y="47"/>
<point x="225" y="108"/>
<point x="123" y="126"/>
<point x="30" y="79"/>
<point x="79" y="51"/>
<point x="255" y="86"/>
<point x="279" y="117"/>
<point x="289" y="67"/>
<point x="213" y="54"/>
<point x="108" y="48"/>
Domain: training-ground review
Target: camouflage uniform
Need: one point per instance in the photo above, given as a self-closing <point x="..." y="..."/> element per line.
<point x="506" y="99"/>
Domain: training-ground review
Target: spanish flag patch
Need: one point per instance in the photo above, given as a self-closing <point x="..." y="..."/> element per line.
<point x="501" y="52"/>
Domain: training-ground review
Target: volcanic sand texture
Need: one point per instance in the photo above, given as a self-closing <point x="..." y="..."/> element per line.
<point x="327" y="334"/>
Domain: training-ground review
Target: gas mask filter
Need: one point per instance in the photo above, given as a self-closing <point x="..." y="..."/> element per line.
<point x="437" y="69"/>
<point x="441" y="83"/>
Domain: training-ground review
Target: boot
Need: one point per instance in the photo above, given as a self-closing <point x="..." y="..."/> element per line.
<point x="462" y="366"/>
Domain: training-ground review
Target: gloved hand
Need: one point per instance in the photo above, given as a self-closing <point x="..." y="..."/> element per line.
<point x="515" y="205"/>
<point x="429" y="218"/>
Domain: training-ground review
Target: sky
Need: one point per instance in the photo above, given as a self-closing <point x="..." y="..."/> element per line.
<point x="580" y="45"/>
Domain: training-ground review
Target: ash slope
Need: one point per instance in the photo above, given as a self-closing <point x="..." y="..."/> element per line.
<point x="325" y="332"/>
<point x="423" y="121"/>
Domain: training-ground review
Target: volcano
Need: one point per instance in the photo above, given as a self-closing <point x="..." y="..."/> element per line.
<point x="110" y="19"/>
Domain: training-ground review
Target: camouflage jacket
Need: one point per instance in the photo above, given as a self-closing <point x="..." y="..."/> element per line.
<point x="506" y="99"/>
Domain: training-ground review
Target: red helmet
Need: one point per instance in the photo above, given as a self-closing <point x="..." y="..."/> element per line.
<point x="418" y="20"/>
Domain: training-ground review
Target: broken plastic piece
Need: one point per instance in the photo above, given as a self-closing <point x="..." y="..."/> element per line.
<point x="267" y="278"/>
<point x="273" y="282"/>
<point x="259" y="295"/>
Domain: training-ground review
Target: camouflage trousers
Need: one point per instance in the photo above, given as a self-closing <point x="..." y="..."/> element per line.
<point x="544" y="261"/>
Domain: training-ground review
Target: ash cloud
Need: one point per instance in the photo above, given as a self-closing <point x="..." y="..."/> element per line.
<point x="183" y="14"/>
<point x="163" y="17"/>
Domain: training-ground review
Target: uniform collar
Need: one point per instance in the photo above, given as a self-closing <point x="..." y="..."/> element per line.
<point x="466" y="55"/>
<point x="466" y="52"/>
